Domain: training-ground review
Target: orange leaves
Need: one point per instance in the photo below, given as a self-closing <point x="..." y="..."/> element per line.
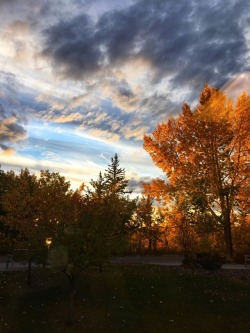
<point x="204" y="143"/>
<point x="240" y="120"/>
<point x="216" y="108"/>
<point x="204" y="152"/>
<point x="157" y="189"/>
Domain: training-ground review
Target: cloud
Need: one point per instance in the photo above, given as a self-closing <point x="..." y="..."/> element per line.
<point x="146" y="58"/>
<point x="12" y="119"/>
<point x="7" y="151"/>
<point x="72" y="47"/>
<point x="189" y="41"/>
<point x="16" y="41"/>
<point x="78" y="100"/>
<point x="10" y="130"/>
<point x="70" y="118"/>
<point x="121" y="94"/>
<point x="18" y="28"/>
<point x="111" y="71"/>
<point x="135" y="133"/>
<point x="134" y="184"/>
<point x="234" y="87"/>
<point x="77" y="172"/>
<point x="102" y="134"/>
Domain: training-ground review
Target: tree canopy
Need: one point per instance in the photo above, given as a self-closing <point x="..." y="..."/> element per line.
<point x="205" y="154"/>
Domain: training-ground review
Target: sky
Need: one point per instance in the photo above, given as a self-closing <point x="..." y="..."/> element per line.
<point x="81" y="80"/>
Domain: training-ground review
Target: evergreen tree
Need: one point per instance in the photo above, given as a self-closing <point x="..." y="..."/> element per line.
<point x="115" y="180"/>
<point x="98" y="187"/>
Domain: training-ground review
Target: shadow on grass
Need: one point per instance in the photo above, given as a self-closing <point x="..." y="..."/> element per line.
<point x="127" y="298"/>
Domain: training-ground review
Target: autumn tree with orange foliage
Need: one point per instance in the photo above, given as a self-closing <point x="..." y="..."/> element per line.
<point x="205" y="154"/>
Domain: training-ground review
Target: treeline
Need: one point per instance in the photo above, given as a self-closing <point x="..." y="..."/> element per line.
<point x="203" y="207"/>
<point x="82" y="227"/>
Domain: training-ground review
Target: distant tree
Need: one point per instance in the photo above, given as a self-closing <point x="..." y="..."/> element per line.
<point x="149" y="223"/>
<point x="144" y="219"/>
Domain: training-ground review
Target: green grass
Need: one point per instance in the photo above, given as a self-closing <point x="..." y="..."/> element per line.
<point x="137" y="298"/>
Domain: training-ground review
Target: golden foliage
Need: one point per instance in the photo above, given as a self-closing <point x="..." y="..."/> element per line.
<point x="205" y="154"/>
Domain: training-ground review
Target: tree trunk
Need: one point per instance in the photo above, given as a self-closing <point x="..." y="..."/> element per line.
<point x="228" y="238"/>
<point x="140" y="243"/>
<point x="150" y="244"/>
<point x="71" y="301"/>
<point x="227" y="229"/>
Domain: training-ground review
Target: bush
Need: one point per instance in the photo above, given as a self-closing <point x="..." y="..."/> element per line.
<point x="239" y="258"/>
<point x="209" y="261"/>
<point x="4" y="249"/>
<point x="189" y="261"/>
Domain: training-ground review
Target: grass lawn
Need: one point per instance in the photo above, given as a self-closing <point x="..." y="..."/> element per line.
<point x="126" y="298"/>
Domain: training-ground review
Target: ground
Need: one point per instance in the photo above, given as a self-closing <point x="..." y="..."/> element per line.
<point x="128" y="298"/>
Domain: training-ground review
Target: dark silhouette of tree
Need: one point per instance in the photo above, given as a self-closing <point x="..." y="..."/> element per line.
<point x="112" y="211"/>
<point x="115" y="180"/>
<point x="34" y="208"/>
<point x="97" y="227"/>
<point x="7" y="233"/>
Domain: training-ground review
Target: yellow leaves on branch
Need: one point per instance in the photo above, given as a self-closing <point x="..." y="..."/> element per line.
<point x="157" y="189"/>
<point x="208" y="147"/>
<point x="214" y="128"/>
<point x="205" y="153"/>
<point x="217" y="108"/>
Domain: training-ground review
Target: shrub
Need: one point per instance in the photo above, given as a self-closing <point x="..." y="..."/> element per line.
<point x="239" y="258"/>
<point x="209" y="261"/>
<point x="189" y="261"/>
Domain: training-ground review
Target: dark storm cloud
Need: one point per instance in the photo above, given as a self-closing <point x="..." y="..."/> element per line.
<point x="190" y="41"/>
<point x="72" y="46"/>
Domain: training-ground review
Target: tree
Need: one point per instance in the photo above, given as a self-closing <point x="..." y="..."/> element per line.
<point x="34" y="208"/>
<point x="53" y="202"/>
<point x="7" y="233"/>
<point x="99" y="187"/>
<point x="149" y="218"/>
<point x="72" y="250"/>
<point x="205" y="155"/>
<point x="112" y="211"/>
<point x="98" y="226"/>
<point x="21" y="213"/>
<point x="148" y="221"/>
<point x="115" y="180"/>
